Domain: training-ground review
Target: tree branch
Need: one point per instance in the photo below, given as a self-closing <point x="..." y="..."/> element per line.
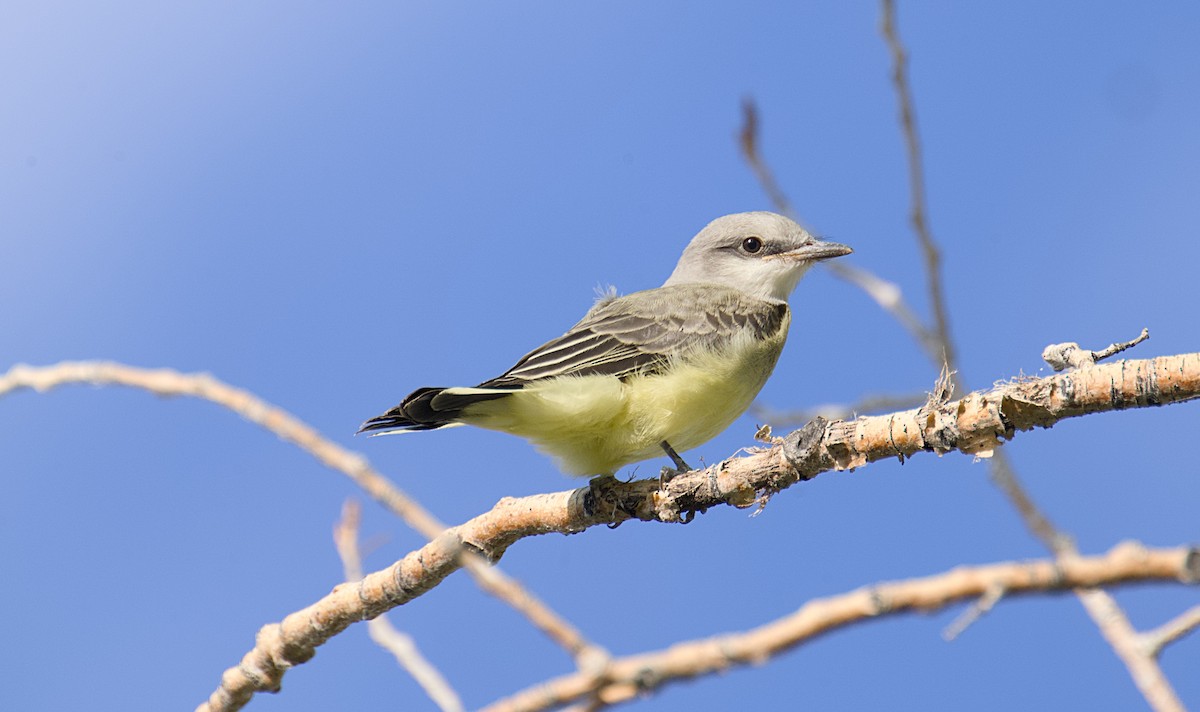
<point x="1153" y="641"/>
<point x="974" y="425"/>
<point x="916" y="182"/>
<point x="637" y="674"/>
<point x="748" y="142"/>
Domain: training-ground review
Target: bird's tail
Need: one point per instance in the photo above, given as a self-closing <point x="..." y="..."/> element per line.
<point x="432" y="408"/>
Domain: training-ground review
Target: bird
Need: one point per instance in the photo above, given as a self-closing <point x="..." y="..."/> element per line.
<point x="654" y="372"/>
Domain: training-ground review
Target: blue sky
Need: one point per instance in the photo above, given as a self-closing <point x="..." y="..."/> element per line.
<point x="331" y="205"/>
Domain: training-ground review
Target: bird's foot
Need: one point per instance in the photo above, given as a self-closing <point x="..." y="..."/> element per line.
<point x="602" y="499"/>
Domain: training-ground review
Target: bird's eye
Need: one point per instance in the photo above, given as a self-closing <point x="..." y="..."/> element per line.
<point x="752" y="245"/>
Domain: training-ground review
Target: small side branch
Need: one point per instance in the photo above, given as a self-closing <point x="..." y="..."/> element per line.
<point x="1070" y="355"/>
<point x="1153" y="641"/>
<point x="748" y="142"/>
<point x="981" y="607"/>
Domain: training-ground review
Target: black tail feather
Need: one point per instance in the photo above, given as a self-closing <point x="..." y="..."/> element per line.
<point x="413" y="413"/>
<point x="427" y="409"/>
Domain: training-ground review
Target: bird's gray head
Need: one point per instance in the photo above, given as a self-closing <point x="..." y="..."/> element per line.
<point x="761" y="254"/>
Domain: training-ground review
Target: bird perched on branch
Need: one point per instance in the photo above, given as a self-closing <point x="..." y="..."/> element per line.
<point x="657" y="371"/>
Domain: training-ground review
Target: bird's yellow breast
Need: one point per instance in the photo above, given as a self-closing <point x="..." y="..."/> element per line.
<point x="594" y="425"/>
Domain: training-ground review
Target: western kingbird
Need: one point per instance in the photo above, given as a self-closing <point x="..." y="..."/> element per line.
<point x="649" y="372"/>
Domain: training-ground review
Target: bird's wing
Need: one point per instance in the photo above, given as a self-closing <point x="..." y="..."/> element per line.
<point x="641" y="332"/>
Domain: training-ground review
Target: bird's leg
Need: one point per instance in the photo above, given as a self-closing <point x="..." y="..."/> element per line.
<point x="680" y="465"/>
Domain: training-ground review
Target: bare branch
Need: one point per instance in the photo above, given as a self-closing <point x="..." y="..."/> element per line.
<point x="1069" y="355"/>
<point x="166" y="382"/>
<point x="1004" y="477"/>
<point x="916" y="182"/>
<point x="748" y="141"/>
<point x="974" y="425"/>
<point x="1153" y="641"/>
<point x="638" y="674"/>
<point x="381" y="630"/>
<point x="981" y="607"/>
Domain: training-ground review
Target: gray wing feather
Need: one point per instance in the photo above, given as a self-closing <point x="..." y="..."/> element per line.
<point x="641" y="332"/>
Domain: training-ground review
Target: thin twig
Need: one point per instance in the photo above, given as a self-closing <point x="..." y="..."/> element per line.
<point x="981" y="607"/>
<point x="1114" y="349"/>
<point x="916" y="181"/>
<point x="167" y="382"/>
<point x="1004" y="477"/>
<point x="748" y="141"/>
<point x="1070" y="355"/>
<point x="1153" y="641"/>
<point x="381" y="630"/>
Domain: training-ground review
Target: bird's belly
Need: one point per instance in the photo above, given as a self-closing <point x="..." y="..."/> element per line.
<point x="694" y="402"/>
<point x="596" y="424"/>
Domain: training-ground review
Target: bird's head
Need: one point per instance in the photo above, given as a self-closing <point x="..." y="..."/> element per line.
<point x="762" y="254"/>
